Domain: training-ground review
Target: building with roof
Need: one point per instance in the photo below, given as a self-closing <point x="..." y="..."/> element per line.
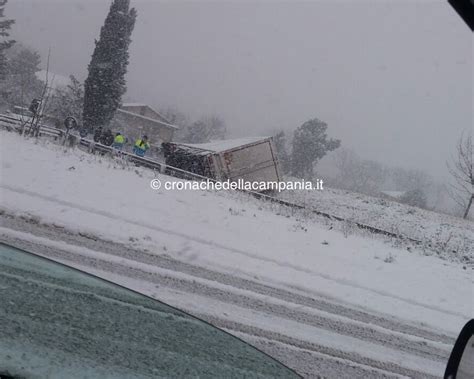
<point x="135" y="120"/>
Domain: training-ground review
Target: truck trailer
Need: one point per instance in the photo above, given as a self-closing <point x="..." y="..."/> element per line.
<point x="248" y="159"/>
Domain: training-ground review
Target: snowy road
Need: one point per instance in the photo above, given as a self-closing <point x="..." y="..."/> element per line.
<point x="316" y="335"/>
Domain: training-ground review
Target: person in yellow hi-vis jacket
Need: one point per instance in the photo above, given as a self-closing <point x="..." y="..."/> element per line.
<point x="119" y="141"/>
<point x="141" y="146"/>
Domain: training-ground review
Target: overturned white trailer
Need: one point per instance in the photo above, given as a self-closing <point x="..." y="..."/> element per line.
<point x="251" y="159"/>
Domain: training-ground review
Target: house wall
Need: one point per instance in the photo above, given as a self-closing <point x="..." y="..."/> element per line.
<point x="134" y="127"/>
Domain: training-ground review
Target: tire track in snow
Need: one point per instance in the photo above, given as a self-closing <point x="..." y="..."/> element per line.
<point x="320" y="302"/>
<point x="328" y="365"/>
<point x="287" y="340"/>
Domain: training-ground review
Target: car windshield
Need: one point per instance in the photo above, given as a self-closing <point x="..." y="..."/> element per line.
<point x="58" y="322"/>
<point x="297" y="174"/>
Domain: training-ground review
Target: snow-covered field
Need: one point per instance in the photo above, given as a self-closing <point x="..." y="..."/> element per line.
<point x="391" y="309"/>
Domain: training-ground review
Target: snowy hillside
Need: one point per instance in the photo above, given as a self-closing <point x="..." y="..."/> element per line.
<point x="446" y="236"/>
<point x="101" y="199"/>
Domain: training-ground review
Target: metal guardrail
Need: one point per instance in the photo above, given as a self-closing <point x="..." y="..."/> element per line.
<point x="9" y="122"/>
<point x="16" y="124"/>
<point x="150" y="163"/>
<point x="182" y="174"/>
<point x="8" y="118"/>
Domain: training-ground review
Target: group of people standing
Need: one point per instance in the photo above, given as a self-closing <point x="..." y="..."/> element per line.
<point x="139" y="148"/>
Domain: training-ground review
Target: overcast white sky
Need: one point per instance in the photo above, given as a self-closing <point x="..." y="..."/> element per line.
<point x="393" y="79"/>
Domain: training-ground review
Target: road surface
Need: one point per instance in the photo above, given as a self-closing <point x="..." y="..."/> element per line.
<point x="317" y="336"/>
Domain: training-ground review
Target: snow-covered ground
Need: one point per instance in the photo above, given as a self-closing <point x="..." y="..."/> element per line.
<point x="232" y="234"/>
<point x="450" y="238"/>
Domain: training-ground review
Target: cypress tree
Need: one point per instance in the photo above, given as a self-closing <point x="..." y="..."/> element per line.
<point x="105" y="84"/>
<point x="5" y="44"/>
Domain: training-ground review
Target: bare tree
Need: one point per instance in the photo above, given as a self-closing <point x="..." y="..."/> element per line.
<point x="462" y="170"/>
<point x="175" y="116"/>
<point x="67" y="101"/>
<point x="179" y="119"/>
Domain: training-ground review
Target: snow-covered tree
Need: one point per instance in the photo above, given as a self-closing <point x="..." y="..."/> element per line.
<point x="310" y="144"/>
<point x="105" y="85"/>
<point x="5" y="43"/>
<point x="21" y="85"/>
